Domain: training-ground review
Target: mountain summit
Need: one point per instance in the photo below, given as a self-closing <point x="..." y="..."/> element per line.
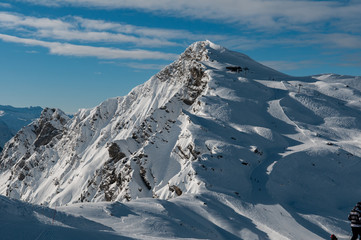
<point x="213" y="123"/>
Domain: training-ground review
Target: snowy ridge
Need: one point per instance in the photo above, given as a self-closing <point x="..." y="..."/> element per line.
<point x="13" y="119"/>
<point x="213" y="130"/>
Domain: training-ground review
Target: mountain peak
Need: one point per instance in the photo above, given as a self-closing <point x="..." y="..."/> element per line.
<point x="54" y="115"/>
<point x="197" y="51"/>
<point x="216" y="56"/>
<point x="206" y="44"/>
<point x="200" y="50"/>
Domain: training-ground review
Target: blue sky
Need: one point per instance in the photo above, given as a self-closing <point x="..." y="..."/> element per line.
<point x="73" y="54"/>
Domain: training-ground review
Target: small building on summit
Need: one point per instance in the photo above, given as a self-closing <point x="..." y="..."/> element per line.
<point x="235" y="69"/>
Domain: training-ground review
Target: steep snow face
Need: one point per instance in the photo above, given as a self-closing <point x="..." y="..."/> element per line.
<point x="13" y="119"/>
<point x="214" y="121"/>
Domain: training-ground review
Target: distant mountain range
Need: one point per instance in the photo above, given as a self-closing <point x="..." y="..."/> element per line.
<point x="221" y="147"/>
<point x="12" y="119"/>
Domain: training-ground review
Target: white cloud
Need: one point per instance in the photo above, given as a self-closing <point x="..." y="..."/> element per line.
<point x="88" y="30"/>
<point x="259" y="14"/>
<point x="67" y="29"/>
<point x="340" y="40"/>
<point x="100" y="25"/>
<point x="67" y="49"/>
<point x="11" y="20"/>
<point x="75" y="35"/>
<point x="321" y="40"/>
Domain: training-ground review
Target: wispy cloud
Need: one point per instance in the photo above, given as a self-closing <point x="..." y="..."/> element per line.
<point x="341" y="40"/>
<point x="321" y="40"/>
<point x="80" y="29"/>
<point x="83" y="30"/>
<point x="67" y="49"/>
<point x="73" y="35"/>
<point x="13" y="20"/>
<point x="257" y="14"/>
<point x="73" y="28"/>
<point x="350" y="60"/>
<point x="5" y="5"/>
<point x="325" y="40"/>
<point x="76" y="35"/>
<point x="288" y="65"/>
<point x="100" y="25"/>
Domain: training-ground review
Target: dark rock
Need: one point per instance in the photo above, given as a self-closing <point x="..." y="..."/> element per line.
<point x="177" y="190"/>
<point x="46" y="133"/>
<point x="143" y="172"/>
<point x="115" y="153"/>
<point x="21" y="176"/>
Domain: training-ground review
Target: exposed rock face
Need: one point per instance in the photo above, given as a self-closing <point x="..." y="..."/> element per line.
<point x="175" y="189"/>
<point x="114" y="152"/>
<point x="49" y="126"/>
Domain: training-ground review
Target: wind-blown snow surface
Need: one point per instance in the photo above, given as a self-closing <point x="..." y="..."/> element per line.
<point x="13" y="119"/>
<point x="201" y="152"/>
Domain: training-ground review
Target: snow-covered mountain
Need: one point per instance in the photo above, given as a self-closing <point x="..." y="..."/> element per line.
<point x="245" y="151"/>
<point x="13" y="119"/>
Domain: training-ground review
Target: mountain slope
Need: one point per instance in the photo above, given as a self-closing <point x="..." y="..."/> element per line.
<point x="278" y="153"/>
<point x="13" y="119"/>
